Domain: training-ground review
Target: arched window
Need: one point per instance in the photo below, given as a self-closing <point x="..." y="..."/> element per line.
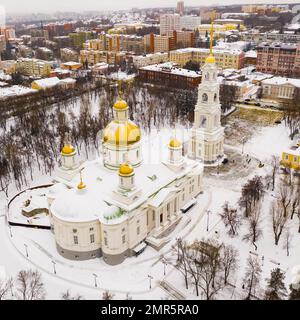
<point x="215" y="97"/>
<point x="206" y="76"/>
<point x="204" y="97"/>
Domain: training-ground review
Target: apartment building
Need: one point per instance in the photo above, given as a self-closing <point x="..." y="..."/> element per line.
<point x="225" y="58"/>
<point x="169" y="74"/>
<point x="34" y="67"/>
<point x="279" y="58"/>
<point x="116" y="42"/>
<point x="93" y="57"/>
<point x="67" y="54"/>
<point x="169" y="22"/>
<point x="149" y="59"/>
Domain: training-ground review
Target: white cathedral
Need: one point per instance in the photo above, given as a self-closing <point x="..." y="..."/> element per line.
<point x="115" y="205"/>
<point x="112" y="207"/>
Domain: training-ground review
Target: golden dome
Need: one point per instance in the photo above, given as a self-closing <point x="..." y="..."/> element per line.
<point x="121" y="105"/>
<point x="81" y="185"/>
<point x="210" y="59"/>
<point x="67" y="149"/>
<point x="174" y="143"/>
<point x="121" y="133"/>
<point x="126" y="169"/>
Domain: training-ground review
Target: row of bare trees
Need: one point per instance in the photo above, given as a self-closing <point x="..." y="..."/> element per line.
<point x="32" y="140"/>
<point x="205" y="264"/>
<point x="27" y="285"/>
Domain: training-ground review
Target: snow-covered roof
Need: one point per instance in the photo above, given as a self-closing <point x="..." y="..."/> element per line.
<point x="97" y="200"/>
<point x="14" y="91"/>
<point x="81" y="205"/>
<point x="205" y="50"/>
<point x="251" y="54"/>
<point x="71" y="63"/>
<point x="47" y="82"/>
<point x="171" y="68"/>
<point x="282" y="81"/>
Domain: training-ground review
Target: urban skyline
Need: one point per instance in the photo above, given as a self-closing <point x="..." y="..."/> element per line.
<point x="34" y="6"/>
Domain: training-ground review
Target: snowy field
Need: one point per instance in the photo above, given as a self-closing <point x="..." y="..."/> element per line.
<point x="131" y="277"/>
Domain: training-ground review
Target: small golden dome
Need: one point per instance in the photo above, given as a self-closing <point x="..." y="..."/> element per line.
<point x="121" y="105"/>
<point x="174" y="143"/>
<point x="81" y="185"/>
<point x="67" y="149"/>
<point x="210" y="59"/>
<point x="126" y="169"/>
<point x="121" y="133"/>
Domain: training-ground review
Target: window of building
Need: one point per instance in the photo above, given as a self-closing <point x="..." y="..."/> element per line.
<point x="153" y="215"/>
<point x="92" y="238"/>
<point x="138" y="230"/>
<point x="91" y="229"/>
<point x="204" y="97"/>
<point x="123" y="230"/>
<point x="105" y="241"/>
<point x="75" y="239"/>
<point x="161" y="218"/>
<point x="123" y="238"/>
<point x="74" y="230"/>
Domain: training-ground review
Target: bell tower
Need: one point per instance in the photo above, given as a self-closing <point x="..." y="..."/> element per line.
<point x="206" y="142"/>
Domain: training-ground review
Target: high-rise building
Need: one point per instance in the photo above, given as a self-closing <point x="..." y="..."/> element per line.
<point x="169" y="22"/>
<point x="180" y="7"/>
<point x="190" y="22"/>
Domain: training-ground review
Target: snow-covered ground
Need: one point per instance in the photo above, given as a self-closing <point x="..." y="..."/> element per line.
<point x="132" y="275"/>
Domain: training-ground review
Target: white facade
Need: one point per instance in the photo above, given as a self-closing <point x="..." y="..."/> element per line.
<point x="169" y="22"/>
<point x="112" y="215"/>
<point x="207" y="135"/>
<point x="190" y="22"/>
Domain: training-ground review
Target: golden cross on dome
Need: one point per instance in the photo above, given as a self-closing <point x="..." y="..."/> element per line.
<point x="120" y="89"/>
<point x="212" y="17"/>
<point x="81" y="185"/>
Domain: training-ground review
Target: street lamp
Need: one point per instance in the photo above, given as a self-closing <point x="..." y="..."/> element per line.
<point x="243" y="141"/>
<point x="150" y="278"/>
<point x="54" y="269"/>
<point x="26" y="249"/>
<point x="208" y="212"/>
<point x="165" y="265"/>
<point x="10" y="231"/>
<point x="95" y="278"/>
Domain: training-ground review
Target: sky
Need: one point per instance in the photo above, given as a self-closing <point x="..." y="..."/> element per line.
<point x="33" y="6"/>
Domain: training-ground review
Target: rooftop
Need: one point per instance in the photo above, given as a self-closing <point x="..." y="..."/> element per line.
<point x="170" y="67"/>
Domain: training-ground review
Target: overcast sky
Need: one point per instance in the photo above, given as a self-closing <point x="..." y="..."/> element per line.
<point x="32" y="6"/>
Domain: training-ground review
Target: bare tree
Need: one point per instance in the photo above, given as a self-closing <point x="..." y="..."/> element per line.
<point x="295" y="201"/>
<point x="107" y="295"/>
<point x="252" y="276"/>
<point x="67" y="296"/>
<point x="254" y="232"/>
<point x="287" y="241"/>
<point x="180" y="263"/>
<point x="284" y="199"/>
<point x="30" y="286"/>
<point x="5" y="288"/>
<point x="209" y="267"/>
<point x="278" y="220"/>
<point x="252" y="193"/>
<point x="274" y="166"/>
<point x="229" y="261"/>
<point x="231" y="219"/>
